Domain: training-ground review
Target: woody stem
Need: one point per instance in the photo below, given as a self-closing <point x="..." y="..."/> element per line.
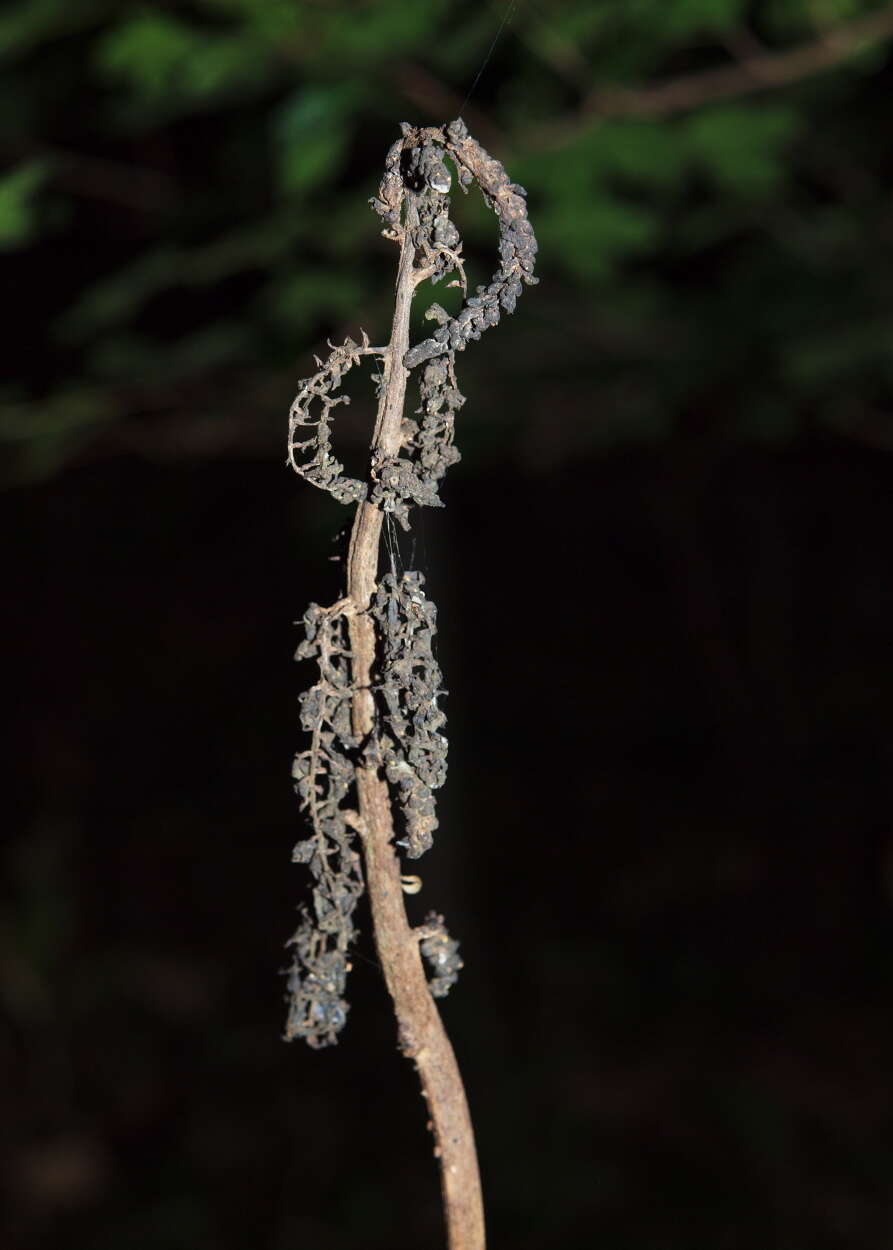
<point x="422" y="1036"/>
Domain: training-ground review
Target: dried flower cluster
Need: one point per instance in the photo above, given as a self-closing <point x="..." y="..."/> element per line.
<point x="413" y="750"/>
<point x="406" y="743"/>
<point x="517" y="249"/>
<point x="324" y="775"/>
<point x="428" y="445"/>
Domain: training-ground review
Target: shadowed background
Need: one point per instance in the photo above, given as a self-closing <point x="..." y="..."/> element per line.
<point x="665" y="607"/>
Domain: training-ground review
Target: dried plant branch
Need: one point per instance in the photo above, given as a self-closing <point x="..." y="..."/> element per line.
<point x="373" y="714"/>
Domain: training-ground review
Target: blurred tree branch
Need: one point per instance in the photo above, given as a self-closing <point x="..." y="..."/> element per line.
<point x="756" y="68"/>
<point x="134" y="186"/>
<point x="435" y="99"/>
<point x="753" y="71"/>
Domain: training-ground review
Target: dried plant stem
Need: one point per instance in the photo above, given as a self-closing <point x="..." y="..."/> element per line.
<point x="422" y="1035"/>
<point x="373" y="713"/>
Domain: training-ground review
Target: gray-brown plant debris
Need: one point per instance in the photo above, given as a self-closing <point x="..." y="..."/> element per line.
<point x="517" y="249"/>
<point x="441" y="953"/>
<point x="406" y="743"/>
<point x="413" y="750"/>
<point x="312" y="457"/>
<point x="429" y="448"/>
<point x="324" y="774"/>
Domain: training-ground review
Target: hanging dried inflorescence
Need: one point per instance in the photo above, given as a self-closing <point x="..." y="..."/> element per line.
<point x="412" y="749"/>
<point x="406" y="743"/>
<point x="324" y="774"/>
<point x="517" y="249"/>
<point x="428" y="448"/>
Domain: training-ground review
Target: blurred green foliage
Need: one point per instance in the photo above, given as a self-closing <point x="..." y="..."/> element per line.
<point x="185" y="202"/>
<point x="17" y="214"/>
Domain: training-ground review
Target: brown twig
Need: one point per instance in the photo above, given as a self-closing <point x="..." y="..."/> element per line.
<point x="422" y="1035"/>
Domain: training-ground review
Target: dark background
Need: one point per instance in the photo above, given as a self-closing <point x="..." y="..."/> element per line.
<point x="665" y="607"/>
